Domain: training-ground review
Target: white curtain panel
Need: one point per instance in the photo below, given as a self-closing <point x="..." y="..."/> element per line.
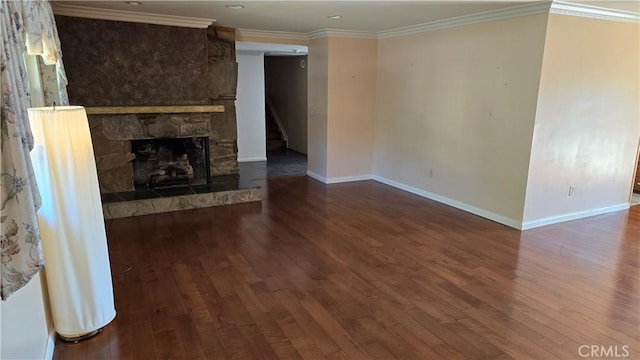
<point x="71" y="221"/>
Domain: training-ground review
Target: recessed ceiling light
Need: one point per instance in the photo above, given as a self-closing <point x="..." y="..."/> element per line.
<point x="335" y="17"/>
<point x="134" y="3"/>
<point x="235" y="7"/>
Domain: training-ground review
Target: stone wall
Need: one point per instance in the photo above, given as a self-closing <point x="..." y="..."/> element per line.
<point x="112" y="135"/>
<point x="112" y="63"/>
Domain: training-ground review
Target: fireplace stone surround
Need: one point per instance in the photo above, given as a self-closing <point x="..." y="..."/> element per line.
<point x="112" y="134"/>
<point x="113" y="129"/>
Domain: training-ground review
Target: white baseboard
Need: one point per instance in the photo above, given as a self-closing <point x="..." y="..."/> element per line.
<point x="251" y="159"/>
<point x="343" y="179"/>
<point x="318" y="177"/>
<point x="51" y="345"/>
<point x="573" y="216"/>
<point x="336" y="180"/>
<point x="456" y="204"/>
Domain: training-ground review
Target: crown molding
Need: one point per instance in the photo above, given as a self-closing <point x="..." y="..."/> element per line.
<point x="546" y="7"/>
<point x="308" y="36"/>
<point x="341" y="33"/>
<point x="130" y="16"/>
<point x="485" y="16"/>
<point x="594" y="12"/>
<point x="272" y="34"/>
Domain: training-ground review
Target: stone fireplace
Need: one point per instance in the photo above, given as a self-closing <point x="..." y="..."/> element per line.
<point x="145" y="154"/>
<point x="134" y="149"/>
<point x="161" y="107"/>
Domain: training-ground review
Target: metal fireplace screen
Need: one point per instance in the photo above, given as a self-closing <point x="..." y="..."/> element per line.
<point x="170" y="162"/>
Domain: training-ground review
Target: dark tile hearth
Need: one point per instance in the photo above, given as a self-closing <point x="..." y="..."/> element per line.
<point x="223" y="190"/>
<point x="218" y="184"/>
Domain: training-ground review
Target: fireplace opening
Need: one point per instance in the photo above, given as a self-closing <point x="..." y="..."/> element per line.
<point x="175" y="162"/>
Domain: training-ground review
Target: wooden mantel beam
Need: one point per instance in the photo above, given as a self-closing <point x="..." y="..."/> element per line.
<point x="154" y="109"/>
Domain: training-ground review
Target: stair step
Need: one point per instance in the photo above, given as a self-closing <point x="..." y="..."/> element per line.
<point x="274" y="136"/>
<point x="276" y="144"/>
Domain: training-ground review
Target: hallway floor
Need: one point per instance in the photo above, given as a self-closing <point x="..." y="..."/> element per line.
<point x="280" y="162"/>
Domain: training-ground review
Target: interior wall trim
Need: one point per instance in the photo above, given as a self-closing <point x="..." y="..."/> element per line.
<point x="344" y="179"/>
<point x="338" y="179"/>
<point x="454" y="203"/>
<point x="311" y="174"/>
<point x="252" y="159"/>
<point x="485" y="16"/>
<point x="271" y="34"/>
<point x="341" y="33"/>
<point x="573" y="216"/>
<point x="594" y="12"/>
<point x="130" y="16"/>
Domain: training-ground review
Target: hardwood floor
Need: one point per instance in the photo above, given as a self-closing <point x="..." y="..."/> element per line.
<point x="362" y="270"/>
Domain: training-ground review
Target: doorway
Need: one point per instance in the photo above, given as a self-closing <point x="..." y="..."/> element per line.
<point x="272" y="119"/>
<point x="286" y="114"/>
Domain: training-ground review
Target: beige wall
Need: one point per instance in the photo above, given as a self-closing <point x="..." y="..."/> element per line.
<point x="286" y="86"/>
<point x="587" y="123"/>
<point x="24" y="332"/>
<point x="455" y="112"/>
<point x="317" y="106"/>
<point x="351" y="107"/>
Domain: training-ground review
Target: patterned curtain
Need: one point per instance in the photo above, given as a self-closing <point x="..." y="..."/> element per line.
<point x="23" y="24"/>
<point x="42" y="39"/>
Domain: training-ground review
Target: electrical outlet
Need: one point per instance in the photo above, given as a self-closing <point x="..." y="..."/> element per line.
<point x="430" y="172"/>
<point x="572" y="189"/>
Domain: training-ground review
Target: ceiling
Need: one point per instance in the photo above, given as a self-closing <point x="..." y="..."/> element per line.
<point x="308" y="16"/>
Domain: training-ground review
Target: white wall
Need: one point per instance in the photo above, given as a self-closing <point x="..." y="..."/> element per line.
<point x="24" y="332"/>
<point x="587" y="123"/>
<point x="317" y="107"/>
<point x="250" y="108"/>
<point x="455" y="113"/>
<point x="26" y="329"/>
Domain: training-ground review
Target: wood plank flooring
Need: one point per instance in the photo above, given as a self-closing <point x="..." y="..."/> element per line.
<point x="364" y="271"/>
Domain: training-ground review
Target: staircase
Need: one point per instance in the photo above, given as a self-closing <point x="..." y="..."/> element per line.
<point x="275" y="139"/>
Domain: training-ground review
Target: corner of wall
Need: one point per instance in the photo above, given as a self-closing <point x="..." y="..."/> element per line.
<point x="587" y="108"/>
<point x="474" y="157"/>
<point x="535" y="118"/>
